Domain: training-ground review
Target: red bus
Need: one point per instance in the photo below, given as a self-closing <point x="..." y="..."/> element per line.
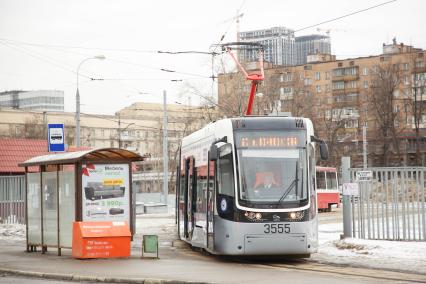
<point x="327" y="188"/>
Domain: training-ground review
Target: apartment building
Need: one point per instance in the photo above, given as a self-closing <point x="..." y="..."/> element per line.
<point x="384" y="93"/>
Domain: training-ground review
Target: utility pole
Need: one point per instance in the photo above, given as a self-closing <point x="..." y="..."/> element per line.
<point x="165" y="151"/>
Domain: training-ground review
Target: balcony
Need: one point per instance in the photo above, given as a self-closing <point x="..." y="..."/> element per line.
<point x="346" y="78"/>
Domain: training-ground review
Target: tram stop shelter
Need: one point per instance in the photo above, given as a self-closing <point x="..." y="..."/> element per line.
<point x="93" y="185"/>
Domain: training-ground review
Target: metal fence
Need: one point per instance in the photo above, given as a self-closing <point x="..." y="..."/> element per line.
<point x="390" y="204"/>
<point x="12" y="199"/>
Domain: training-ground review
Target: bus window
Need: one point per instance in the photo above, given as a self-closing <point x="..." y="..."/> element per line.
<point x="321" y="180"/>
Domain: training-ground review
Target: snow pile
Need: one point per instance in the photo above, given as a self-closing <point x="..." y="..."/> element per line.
<point x="12" y="231"/>
<point x="380" y="254"/>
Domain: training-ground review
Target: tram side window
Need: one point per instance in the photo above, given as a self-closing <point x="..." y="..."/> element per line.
<point x="226" y="175"/>
<point x="331" y="181"/>
<point x="321" y="180"/>
<point x="201" y="188"/>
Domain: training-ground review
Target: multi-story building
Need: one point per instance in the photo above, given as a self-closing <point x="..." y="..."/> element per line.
<point x="281" y="47"/>
<point x="42" y="100"/>
<point x="278" y="43"/>
<point x="311" y="44"/>
<point x="384" y="93"/>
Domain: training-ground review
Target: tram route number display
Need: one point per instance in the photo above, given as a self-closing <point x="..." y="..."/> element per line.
<point x="276" y="228"/>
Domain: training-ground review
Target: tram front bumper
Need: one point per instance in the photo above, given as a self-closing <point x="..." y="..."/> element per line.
<point x="273" y="245"/>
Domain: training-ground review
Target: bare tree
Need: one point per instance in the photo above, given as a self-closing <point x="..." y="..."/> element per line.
<point x="386" y="79"/>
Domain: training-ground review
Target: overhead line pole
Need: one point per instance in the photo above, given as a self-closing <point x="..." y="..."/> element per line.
<point x="165" y="151"/>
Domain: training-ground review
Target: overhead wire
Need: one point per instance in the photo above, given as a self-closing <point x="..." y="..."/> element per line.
<point x="346" y="15"/>
<point x="45" y="59"/>
<point x="60" y="49"/>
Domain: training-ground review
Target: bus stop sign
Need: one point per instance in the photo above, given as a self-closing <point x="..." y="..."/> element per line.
<point x="56" y="138"/>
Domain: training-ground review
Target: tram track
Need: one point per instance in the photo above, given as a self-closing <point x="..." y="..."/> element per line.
<point x="389" y="275"/>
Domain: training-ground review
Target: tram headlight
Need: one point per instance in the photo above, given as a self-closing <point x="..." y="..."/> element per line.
<point x="252" y="216"/>
<point x="296" y="215"/>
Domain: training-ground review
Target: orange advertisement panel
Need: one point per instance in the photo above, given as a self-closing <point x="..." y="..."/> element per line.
<point x="101" y="240"/>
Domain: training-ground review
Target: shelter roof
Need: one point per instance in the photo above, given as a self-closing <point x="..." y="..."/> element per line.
<point x="95" y="155"/>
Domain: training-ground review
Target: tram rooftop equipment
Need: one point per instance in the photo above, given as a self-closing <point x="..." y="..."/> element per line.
<point x="225" y="205"/>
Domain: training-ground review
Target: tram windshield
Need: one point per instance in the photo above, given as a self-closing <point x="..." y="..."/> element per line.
<point x="272" y="168"/>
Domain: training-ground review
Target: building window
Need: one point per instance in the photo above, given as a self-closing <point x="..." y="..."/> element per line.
<point x="365" y="71"/>
<point x="102" y="132"/>
<point x="351" y="84"/>
<point x="318" y="88"/>
<point x="406" y="80"/>
<point x="420" y="64"/>
<point x="317" y="75"/>
<point x="327" y="87"/>
<point x="405" y="66"/>
<point x="327" y="75"/>
<point x="339" y="85"/>
<point x="365" y="84"/>
<point x="308" y="81"/>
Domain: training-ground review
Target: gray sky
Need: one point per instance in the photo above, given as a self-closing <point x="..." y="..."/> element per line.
<point x="148" y="26"/>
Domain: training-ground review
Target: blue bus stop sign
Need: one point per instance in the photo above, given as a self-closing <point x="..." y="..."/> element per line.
<point x="56" y="138"/>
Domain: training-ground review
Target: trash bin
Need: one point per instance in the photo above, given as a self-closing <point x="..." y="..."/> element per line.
<point x="150" y="246"/>
<point x="101" y="240"/>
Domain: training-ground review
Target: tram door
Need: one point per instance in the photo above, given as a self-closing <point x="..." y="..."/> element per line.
<point x="211" y="184"/>
<point x="190" y="197"/>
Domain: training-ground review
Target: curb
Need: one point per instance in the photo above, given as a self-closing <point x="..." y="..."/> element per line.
<point x="98" y="279"/>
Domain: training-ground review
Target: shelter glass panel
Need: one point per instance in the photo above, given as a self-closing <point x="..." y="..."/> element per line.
<point x="34" y="203"/>
<point x="50" y="228"/>
<point x="66" y="206"/>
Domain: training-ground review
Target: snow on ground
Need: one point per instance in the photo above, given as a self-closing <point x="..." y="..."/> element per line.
<point x="380" y="254"/>
<point x="12" y="231"/>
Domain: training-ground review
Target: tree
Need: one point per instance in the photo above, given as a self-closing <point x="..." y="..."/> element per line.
<point x="385" y="106"/>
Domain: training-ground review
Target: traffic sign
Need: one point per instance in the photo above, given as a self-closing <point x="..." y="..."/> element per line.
<point x="56" y="141"/>
<point x="364" y="175"/>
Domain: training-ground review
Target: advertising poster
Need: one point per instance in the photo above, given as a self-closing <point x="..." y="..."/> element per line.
<point x="106" y="192"/>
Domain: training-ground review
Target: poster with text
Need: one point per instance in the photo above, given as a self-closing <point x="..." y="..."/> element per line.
<point x="105" y="193"/>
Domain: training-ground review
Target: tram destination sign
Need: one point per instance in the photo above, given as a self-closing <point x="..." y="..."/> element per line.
<point x="364" y="175"/>
<point x="269" y="141"/>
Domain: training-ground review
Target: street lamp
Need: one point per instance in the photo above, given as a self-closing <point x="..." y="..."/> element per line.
<point x="77" y="102"/>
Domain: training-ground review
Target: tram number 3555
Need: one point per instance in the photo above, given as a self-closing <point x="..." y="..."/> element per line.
<point x="276" y="228"/>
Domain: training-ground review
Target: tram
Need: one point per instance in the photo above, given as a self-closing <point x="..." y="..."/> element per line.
<point x="247" y="187"/>
<point x="327" y="188"/>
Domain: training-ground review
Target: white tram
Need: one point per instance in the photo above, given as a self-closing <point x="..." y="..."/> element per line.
<point x="247" y="187"/>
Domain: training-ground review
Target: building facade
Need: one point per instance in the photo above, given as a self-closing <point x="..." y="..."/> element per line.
<point x="383" y="93"/>
<point x="42" y="100"/>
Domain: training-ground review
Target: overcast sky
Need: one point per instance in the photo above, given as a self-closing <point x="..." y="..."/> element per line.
<point x="114" y="28"/>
